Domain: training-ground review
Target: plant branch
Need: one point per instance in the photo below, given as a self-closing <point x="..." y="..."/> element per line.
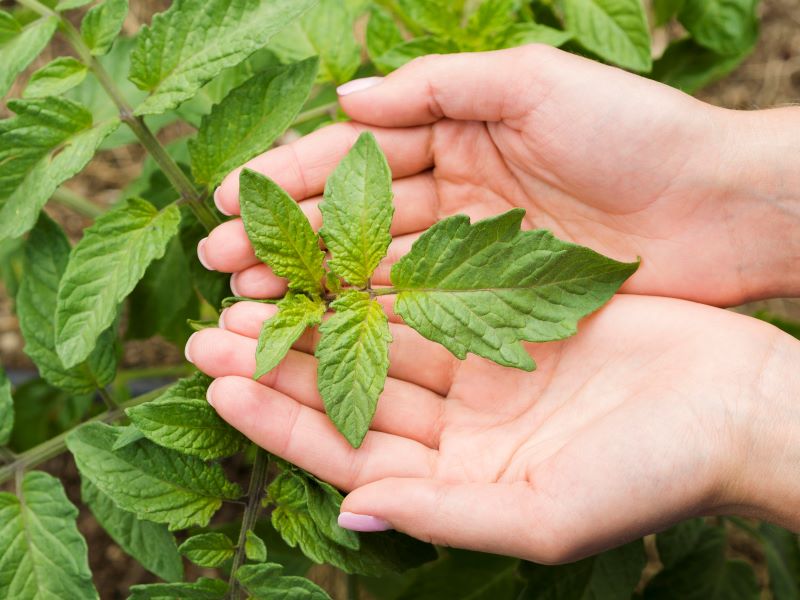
<point x="255" y="492"/>
<point x="55" y="446"/>
<point x="66" y="197"/>
<point x="110" y="403"/>
<point x="383" y="291"/>
<point x="123" y="377"/>
<point x="313" y="113"/>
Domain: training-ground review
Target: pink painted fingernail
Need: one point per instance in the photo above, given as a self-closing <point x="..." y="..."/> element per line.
<point x="186" y="349"/>
<point x="358" y="85"/>
<point x="367" y="523"/>
<point x="209" y="394"/>
<point x="221" y="322"/>
<point x="218" y="202"/>
<point x="201" y="253"/>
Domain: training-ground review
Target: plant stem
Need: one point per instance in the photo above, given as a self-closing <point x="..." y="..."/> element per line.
<point x="255" y="492"/>
<point x="124" y="377"/>
<point x="55" y="446"/>
<point x="110" y="403"/>
<point x="352" y="586"/>
<point x="313" y="113"/>
<point x="7" y="455"/>
<point x="66" y="197"/>
<point x="189" y="194"/>
<point x="383" y="291"/>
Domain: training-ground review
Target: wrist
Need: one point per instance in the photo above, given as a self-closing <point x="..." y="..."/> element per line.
<point x="763" y="474"/>
<point x="760" y="193"/>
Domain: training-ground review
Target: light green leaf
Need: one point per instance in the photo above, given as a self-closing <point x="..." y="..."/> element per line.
<point x="152" y="482"/>
<point x="46" y="255"/>
<point x="414" y="48"/>
<point x="357" y="211"/>
<point x="6" y="408"/>
<point x="353" y="355"/>
<point x="104" y="268"/>
<point x="442" y="17"/>
<point x="483" y="287"/>
<point x="70" y="4"/>
<point x="379" y="553"/>
<point x="615" y="30"/>
<point x="325" y="31"/>
<point x="383" y="34"/>
<point x="19" y="51"/>
<point x="296" y="313"/>
<point x="688" y="66"/>
<point x="254" y="547"/>
<point x="665" y="10"/>
<point x="9" y="26"/>
<point x="202" y="589"/>
<point x="208" y="549"/>
<point x="44" y="555"/>
<point x="149" y="543"/>
<point x="265" y="582"/>
<point x="56" y="77"/>
<point x="194" y="40"/>
<point x="49" y="141"/>
<point x="728" y="27"/>
<point x="249" y="120"/>
<point x="280" y="233"/>
<point x="181" y="419"/>
<point x="534" y="33"/>
<point x="102" y="24"/>
<point x="612" y="575"/>
<point x="782" y="552"/>
<point x="704" y="572"/>
<point x="489" y="20"/>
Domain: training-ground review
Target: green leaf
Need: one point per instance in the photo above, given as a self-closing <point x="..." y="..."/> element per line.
<point x="47" y="252"/>
<point x="128" y="435"/>
<point x="149" y="543"/>
<point x="782" y="552"/>
<point x="280" y="233"/>
<point x="728" y="27"/>
<point x="208" y="549"/>
<point x="463" y="575"/>
<point x="357" y="211"/>
<point x="194" y="40"/>
<point x="703" y="572"/>
<point x="414" y="48"/>
<point x="70" y="4"/>
<point x="104" y="268"/>
<point x="490" y="20"/>
<point x="6" y="408"/>
<point x="202" y="589"/>
<point x="533" y="33"/>
<point x="9" y="26"/>
<point x="56" y="77"/>
<point x="254" y="547"/>
<point x="182" y="420"/>
<point x="377" y="554"/>
<point x="102" y="24"/>
<point x="353" y="355"/>
<point x="49" y="141"/>
<point x="213" y="286"/>
<point x="688" y="66"/>
<point x="678" y="541"/>
<point x="249" y="120"/>
<point x="612" y="575"/>
<point x="325" y="31"/>
<point x="44" y="555"/>
<point x="19" y="51"/>
<point x="296" y="313"/>
<point x="324" y="504"/>
<point x="483" y="287"/>
<point x="383" y="34"/>
<point x="442" y="17"/>
<point x="265" y="582"/>
<point x="152" y="482"/>
<point x="615" y="30"/>
<point x="665" y="10"/>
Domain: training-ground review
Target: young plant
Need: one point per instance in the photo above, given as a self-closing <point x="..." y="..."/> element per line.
<point x="476" y="288"/>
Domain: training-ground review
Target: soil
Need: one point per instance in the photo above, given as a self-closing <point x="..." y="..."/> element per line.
<point x="770" y="77"/>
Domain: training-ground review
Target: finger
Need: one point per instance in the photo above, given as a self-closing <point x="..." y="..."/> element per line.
<point x="307" y="437"/>
<point x="412" y="358"/>
<point x="301" y="167"/>
<point x="483" y="86"/>
<point x="228" y="249"/>
<point x="403" y="409"/>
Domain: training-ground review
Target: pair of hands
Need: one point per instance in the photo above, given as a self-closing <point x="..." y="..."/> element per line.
<point x="659" y="408"/>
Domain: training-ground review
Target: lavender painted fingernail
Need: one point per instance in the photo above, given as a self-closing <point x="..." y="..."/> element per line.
<point x="356" y="522"/>
<point x="358" y="85"/>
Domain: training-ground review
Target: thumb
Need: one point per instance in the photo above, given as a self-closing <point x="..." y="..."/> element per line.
<point x="481" y="86"/>
<point x="488" y="517"/>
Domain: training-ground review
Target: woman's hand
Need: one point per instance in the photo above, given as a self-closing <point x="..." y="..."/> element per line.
<point x="656" y="411"/>
<point x="707" y="197"/>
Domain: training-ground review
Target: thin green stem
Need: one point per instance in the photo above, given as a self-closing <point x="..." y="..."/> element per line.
<point x="383" y="292"/>
<point x="7" y="455"/>
<point x="317" y="111"/>
<point x="255" y="493"/>
<point x="110" y="403"/>
<point x="55" y="446"/>
<point x="66" y="197"/>
<point x="128" y="375"/>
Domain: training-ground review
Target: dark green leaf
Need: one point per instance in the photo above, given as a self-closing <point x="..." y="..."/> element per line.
<point x="728" y="27"/>
<point x="688" y="66"/>
<point x="56" y="77"/>
<point x="202" y="589"/>
<point x="149" y="543"/>
<point x="20" y="50"/>
<point x="676" y="543"/>
<point x="102" y="24"/>
<point x="782" y="552"/>
<point x="208" y="549"/>
<point x="265" y="582"/>
<point x="6" y="408"/>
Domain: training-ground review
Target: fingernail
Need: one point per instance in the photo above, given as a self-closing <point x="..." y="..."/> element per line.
<point x="358" y="85"/>
<point x="186" y="349"/>
<point x="234" y="291"/>
<point x="221" y="323"/>
<point x="218" y="203"/>
<point x="209" y="395"/>
<point x="201" y="253"/>
<point x="356" y="522"/>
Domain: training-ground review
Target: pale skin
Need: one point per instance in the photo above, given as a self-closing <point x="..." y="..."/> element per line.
<point x="659" y="409"/>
